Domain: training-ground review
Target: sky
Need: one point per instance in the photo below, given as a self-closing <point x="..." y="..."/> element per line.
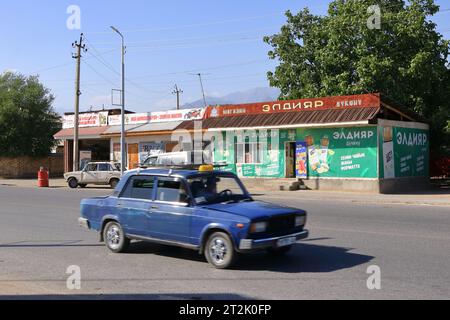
<point x="168" y="42"/>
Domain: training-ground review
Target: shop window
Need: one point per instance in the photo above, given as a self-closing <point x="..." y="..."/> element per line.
<point x="249" y="153"/>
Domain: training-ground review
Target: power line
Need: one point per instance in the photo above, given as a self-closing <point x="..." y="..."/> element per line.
<point x="66" y="64"/>
<point x="98" y="73"/>
<point x="195" y="25"/>
<point x="224" y="66"/>
<point x="171" y="40"/>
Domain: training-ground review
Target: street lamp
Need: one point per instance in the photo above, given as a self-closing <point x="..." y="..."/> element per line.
<point x="122" y="131"/>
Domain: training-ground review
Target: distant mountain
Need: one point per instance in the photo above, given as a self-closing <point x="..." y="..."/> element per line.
<point x="248" y="96"/>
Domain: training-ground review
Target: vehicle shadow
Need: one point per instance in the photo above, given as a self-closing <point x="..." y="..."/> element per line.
<point x="48" y="244"/>
<point x="137" y="297"/>
<point x="303" y="257"/>
<point x="143" y="247"/>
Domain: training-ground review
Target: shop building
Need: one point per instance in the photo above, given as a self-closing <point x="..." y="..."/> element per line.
<point x="360" y="143"/>
<point x="92" y="146"/>
<point x="146" y="134"/>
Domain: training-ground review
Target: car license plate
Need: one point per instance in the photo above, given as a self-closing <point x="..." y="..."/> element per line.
<point x="286" y="242"/>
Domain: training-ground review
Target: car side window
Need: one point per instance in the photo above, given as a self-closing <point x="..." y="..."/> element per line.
<point x="91" y="167"/>
<point x="104" y="167"/>
<point x="139" y="187"/>
<point x="171" y="190"/>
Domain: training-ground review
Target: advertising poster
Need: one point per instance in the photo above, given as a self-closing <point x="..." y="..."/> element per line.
<point x="411" y="149"/>
<point x="341" y="152"/>
<point x="388" y="153"/>
<point x="301" y="158"/>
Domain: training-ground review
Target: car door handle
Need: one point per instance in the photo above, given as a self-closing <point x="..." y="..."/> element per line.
<point x="154" y="207"/>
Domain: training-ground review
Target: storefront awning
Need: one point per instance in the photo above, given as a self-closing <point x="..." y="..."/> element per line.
<point x="289" y="119"/>
<point x="146" y="129"/>
<point x="118" y="129"/>
<point x="83" y="133"/>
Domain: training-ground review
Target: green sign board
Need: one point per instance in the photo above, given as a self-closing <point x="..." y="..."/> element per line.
<point x="341" y="152"/>
<point x="404" y="152"/>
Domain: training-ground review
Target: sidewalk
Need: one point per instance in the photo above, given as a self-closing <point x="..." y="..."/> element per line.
<point x="421" y="199"/>
<point x="428" y="198"/>
<point x="33" y="183"/>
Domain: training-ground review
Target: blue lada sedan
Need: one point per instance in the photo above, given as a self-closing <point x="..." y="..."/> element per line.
<point x="204" y="210"/>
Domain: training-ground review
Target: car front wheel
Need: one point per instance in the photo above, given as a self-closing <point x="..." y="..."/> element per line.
<point x="115" y="238"/>
<point x="219" y="250"/>
<point x="73" y="183"/>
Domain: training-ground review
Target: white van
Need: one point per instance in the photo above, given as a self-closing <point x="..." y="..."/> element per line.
<point x="175" y="159"/>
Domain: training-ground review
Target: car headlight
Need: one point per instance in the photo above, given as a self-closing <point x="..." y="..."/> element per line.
<point x="258" y="227"/>
<point x="300" y="221"/>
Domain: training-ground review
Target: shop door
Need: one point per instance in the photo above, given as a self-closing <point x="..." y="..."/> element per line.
<point x="290" y="159"/>
<point x="133" y="156"/>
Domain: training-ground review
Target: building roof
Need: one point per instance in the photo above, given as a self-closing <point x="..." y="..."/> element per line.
<point x="118" y="129"/>
<point x="148" y="129"/>
<point x="329" y="116"/>
<point x="84" y="133"/>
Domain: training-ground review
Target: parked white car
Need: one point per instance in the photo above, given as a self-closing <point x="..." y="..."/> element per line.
<point x="175" y="159"/>
<point x="98" y="173"/>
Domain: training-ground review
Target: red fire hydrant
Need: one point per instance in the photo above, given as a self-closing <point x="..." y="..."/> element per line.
<point x="43" y="181"/>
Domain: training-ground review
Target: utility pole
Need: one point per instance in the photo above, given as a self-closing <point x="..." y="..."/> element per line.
<point x="177" y="92"/>
<point x="122" y="131"/>
<point x="79" y="46"/>
<point x="201" y="85"/>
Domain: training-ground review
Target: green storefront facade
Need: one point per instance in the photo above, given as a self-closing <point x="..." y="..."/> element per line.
<point x="370" y="154"/>
<point x="348" y="152"/>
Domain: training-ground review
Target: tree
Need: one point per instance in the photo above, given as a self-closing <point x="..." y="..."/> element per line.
<point x="27" y="119"/>
<point x="338" y="54"/>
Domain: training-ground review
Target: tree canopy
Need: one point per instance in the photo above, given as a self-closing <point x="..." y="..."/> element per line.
<point x="27" y="119"/>
<point x="339" y="54"/>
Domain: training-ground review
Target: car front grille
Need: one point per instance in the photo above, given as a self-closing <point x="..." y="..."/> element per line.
<point x="281" y="223"/>
<point x="278" y="226"/>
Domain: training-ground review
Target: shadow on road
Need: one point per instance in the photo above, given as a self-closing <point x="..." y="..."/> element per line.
<point x="48" y="244"/>
<point x="175" y="296"/>
<point x="303" y="257"/>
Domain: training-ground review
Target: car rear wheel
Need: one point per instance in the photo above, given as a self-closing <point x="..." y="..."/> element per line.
<point x="219" y="250"/>
<point x="115" y="238"/>
<point x="113" y="183"/>
<point x="73" y="183"/>
<point x="279" y="251"/>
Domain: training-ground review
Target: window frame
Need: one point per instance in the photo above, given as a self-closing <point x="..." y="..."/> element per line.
<point x="252" y="146"/>
<point x="107" y="165"/>
<point x="175" y="203"/>
<point x="130" y="179"/>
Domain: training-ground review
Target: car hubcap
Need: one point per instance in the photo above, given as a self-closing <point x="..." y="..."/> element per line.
<point x="113" y="237"/>
<point x="218" y="250"/>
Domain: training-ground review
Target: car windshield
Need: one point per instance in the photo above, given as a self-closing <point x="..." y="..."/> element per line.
<point x="216" y="188"/>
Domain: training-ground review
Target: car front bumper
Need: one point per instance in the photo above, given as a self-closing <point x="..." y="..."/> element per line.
<point x="276" y="242"/>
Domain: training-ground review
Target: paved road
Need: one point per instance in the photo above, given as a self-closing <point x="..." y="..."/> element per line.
<point x="39" y="239"/>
